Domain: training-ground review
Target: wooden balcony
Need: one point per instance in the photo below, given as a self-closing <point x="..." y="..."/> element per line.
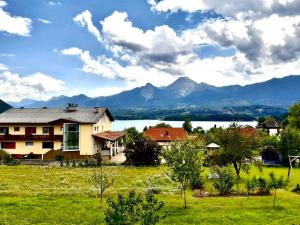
<point x="33" y="137"/>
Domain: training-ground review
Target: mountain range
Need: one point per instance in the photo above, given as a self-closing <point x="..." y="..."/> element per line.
<point x="184" y="92"/>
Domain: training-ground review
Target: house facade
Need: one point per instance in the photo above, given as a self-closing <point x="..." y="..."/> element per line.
<point x="165" y="136"/>
<point x="46" y="132"/>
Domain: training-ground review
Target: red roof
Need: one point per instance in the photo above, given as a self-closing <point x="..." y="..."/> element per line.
<point x="166" y="134"/>
<point x="110" y="135"/>
<point x="247" y="131"/>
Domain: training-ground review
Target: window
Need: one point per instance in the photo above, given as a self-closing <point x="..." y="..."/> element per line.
<point x="9" y="145"/>
<point x="46" y="130"/>
<point x="16" y="129"/>
<point x="4" y="130"/>
<point x="47" y="145"/>
<point x="71" y="136"/>
<point x="29" y="143"/>
<point x="30" y="130"/>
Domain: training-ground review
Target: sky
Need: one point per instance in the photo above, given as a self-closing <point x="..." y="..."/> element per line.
<point x="102" y="47"/>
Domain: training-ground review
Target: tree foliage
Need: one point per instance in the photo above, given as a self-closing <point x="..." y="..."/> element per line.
<point x="187" y="125"/>
<point x="135" y="209"/>
<point x="185" y="162"/>
<point x="132" y="134"/>
<point x="294" y="116"/>
<point x="289" y="143"/>
<point x="143" y="151"/>
<point x="163" y="125"/>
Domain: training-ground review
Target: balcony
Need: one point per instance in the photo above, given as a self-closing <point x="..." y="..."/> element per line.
<point x="32" y="137"/>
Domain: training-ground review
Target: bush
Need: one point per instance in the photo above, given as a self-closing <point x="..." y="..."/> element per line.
<point x="197" y="182"/>
<point x="135" y="209"/>
<point x="297" y="188"/>
<point x="258" y="186"/>
<point x="224" y="184"/>
<point x="142" y="152"/>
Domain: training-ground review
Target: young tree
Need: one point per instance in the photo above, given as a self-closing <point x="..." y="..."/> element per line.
<point x="198" y="130"/>
<point x="101" y="180"/>
<point x="239" y="148"/>
<point x="185" y="162"/>
<point x="187" y="125"/>
<point x="135" y="209"/>
<point x="276" y="183"/>
<point x="142" y="151"/>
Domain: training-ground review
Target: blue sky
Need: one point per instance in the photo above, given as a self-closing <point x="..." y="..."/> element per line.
<point x="102" y="47"/>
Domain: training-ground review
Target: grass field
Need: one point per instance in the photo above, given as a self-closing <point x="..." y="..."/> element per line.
<point x="44" y="195"/>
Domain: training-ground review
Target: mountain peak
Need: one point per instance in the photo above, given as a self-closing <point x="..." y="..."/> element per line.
<point x="184" y="80"/>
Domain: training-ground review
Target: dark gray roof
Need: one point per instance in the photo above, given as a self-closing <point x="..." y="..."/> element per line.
<point x="48" y="115"/>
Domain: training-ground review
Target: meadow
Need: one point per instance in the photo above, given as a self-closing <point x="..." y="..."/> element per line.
<point x="54" y="195"/>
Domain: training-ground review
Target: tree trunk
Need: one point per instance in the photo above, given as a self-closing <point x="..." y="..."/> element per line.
<point x="101" y="200"/>
<point x="274" y="198"/>
<point x="184" y="196"/>
<point x="237" y="170"/>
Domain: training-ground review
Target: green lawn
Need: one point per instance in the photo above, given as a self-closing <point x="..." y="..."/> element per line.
<point x="43" y="195"/>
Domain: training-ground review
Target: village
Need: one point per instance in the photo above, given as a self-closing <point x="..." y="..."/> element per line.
<point x="238" y="161"/>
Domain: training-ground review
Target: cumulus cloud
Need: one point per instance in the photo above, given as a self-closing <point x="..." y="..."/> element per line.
<point x="36" y="86"/>
<point x="85" y="20"/>
<point x="160" y="48"/>
<point x="3" y="67"/>
<point x="111" y="69"/>
<point x="161" y="55"/>
<point x="13" y="24"/>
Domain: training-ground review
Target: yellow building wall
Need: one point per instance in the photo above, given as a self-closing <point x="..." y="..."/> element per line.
<point x="21" y="148"/>
<point x="86" y="141"/>
<point x="104" y="124"/>
<point x="39" y="129"/>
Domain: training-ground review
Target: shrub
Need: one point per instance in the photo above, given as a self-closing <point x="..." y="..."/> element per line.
<point x="297" y="188"/>
<point x="135" y="209"/>
<point x="197" y="182"/>
<point x="142" y="151"/>
<point x="224" y="184"/>
<point x="258" y="186"/>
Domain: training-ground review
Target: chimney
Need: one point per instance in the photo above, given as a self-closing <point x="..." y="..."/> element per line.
<point x="71" y="107"/>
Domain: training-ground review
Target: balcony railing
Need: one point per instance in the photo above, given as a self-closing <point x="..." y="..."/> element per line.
<point x="32" y="137"/>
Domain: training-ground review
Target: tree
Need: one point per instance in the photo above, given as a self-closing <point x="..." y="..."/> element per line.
<point x="198" y="130"/>
<point x="131" y="134"/>
<point x="135" y="209"/>
<point x="276" y="183"/>
<point x="289" y="143"/>
<point x="142" y="151"/>
<point x="163" y="125"/>
<point x="239" y="148"/>
<point x="187" y="125"/>
<point x="101" y="181"/>
<point x="294" y="116"/>
<point x="185" y="162"/>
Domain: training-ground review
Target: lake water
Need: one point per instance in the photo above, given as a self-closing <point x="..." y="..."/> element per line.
<point x="119" y="125"/>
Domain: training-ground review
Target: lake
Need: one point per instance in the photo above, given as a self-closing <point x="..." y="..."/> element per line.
<point x="119" y="125"/>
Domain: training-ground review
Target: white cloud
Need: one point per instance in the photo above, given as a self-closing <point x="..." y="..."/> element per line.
<point x="37" y="86"/>
<point x="111" y="69"/>
<point x="44" y="21"/>
<point x="160" y="48"/>
<point x="3" y="67"/>
<point x="159" y="56"/>
<point x="13" y="24"/>
<point x="85" y="19"/>
<point x="54" y="3"/>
